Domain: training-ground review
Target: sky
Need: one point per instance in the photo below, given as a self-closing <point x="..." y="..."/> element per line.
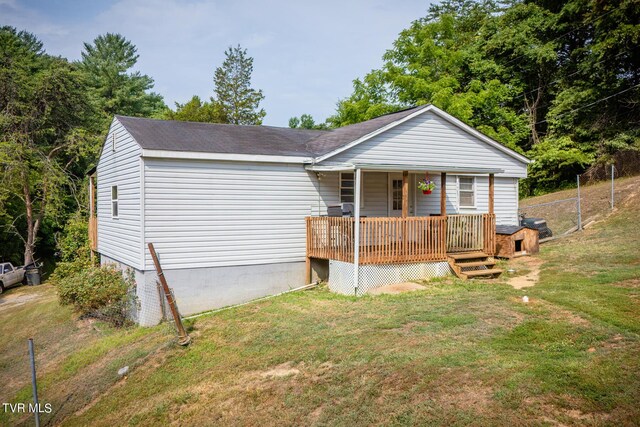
<point x="306" y="53"/>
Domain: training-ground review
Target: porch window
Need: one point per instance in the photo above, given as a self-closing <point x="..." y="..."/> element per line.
<point x="114" y="201"/>
<point x="347" y="188"/>
<point x="467" y="191"/>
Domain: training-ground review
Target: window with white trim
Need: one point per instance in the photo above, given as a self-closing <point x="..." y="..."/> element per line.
<point x="347" y="188"/>
<point x="467" y="191"/>
<point x="114" y="201"/>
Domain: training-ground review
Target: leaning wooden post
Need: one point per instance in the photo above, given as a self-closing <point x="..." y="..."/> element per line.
<point x="183" y="337"/>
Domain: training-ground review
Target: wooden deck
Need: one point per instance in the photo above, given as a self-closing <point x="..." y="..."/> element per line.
<point x="396" y="240"/>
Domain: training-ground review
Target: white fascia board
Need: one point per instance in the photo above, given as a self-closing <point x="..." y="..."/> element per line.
<point x="448" y="117"/>
<point x="330" y="168"/>
<point x="195" y="155"/>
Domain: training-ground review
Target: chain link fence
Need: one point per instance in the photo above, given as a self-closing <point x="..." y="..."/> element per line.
<point x="597" y="193"/>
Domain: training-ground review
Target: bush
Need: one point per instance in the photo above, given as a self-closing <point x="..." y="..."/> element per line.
<point x="73" y="242"/>
<point x="99" y="292"/>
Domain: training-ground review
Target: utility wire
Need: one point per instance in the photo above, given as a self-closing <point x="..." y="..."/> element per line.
<point x="565" y="77"/>
<point x="590" y="104"/>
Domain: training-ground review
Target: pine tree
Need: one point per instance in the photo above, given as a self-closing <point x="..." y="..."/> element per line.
<point x="114" y="89"/>
<point x="239" y="101"/>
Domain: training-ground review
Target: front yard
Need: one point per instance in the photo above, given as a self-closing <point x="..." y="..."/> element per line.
<point x="458" y="353"/>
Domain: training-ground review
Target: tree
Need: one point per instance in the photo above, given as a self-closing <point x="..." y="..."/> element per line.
<point x="306" y="121"/>
<point x="197" y="111"/>
<point x="238" y="100"/>
<point x="114" y="88"/>
<point x="42" y="101"/>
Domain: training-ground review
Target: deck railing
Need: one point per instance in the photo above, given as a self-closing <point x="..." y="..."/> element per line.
<point x="393" y="240"/>
<point x="93" y="233"/>
<point x="489" y="233"/>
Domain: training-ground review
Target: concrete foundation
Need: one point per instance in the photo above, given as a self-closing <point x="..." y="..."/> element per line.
<point x="201" y="289"/>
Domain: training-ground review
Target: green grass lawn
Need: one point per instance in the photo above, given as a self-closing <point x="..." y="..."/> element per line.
<point x="458" y="353"/>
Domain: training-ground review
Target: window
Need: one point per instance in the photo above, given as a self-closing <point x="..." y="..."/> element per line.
<point x="396" y="194"/>
<point x="347" y="185"/>
<point x="467" y="191"/>
<point x="114" y="201"/>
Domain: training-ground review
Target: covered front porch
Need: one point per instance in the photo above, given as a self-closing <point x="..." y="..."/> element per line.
<point x="411" y="236"/>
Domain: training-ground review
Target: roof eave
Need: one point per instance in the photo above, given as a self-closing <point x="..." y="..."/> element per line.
<point x="451" y="119"/>
<point x="197" y="155"/>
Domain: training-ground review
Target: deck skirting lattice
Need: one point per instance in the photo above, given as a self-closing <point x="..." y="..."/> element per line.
<point x="375" y="275"/>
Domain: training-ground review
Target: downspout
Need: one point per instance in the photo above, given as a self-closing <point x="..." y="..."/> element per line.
<point x="356" y="232"/>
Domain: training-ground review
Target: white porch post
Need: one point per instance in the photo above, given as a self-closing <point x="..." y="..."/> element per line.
<point x="356" y="231"/>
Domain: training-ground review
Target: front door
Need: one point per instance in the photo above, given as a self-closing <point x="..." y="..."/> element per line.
<point x="395" y="194"/>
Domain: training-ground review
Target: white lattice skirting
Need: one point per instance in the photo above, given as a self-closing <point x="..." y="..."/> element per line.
<point x="374" y="276"/>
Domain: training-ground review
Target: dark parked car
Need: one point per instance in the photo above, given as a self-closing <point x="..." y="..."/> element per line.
<point x="539" y="224"/>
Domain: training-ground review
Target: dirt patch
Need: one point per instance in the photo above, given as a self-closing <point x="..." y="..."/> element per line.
<point x="532" y="265"/>
<point x="14" y="298"/>
<point x="631" y="283"/>
<point x="281" y="371"/>
<point x="397" y="288"/>
<point x="561" y="416"/>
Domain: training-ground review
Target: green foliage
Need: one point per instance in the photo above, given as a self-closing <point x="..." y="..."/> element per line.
<point x="99" y="292"/>
<point x="557" y="160"/>
<point x="42" y="102"/>
<point x="238" y="100"/>
<point x="73" y="243"/>
<point x="197" y="111"/>
<point x="306" y="121"/>
<point x="53" y="116"/>
<point x="557" y="81"/>
<point x="114" y="88"/>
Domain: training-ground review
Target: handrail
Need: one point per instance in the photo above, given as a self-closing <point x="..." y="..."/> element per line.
<point x="394" y="240"/>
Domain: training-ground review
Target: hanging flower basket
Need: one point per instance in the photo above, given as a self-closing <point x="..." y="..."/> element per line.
<point x="426" y="186"/>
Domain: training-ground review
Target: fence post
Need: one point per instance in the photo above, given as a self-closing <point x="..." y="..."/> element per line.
<point x="612" y="170"/>
<point x="578" y="205"/>
<point x="34" y="385"/>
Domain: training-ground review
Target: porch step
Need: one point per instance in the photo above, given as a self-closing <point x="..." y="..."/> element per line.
<point x="467" y="255"/>
<point x="477" y="264"/>
<point x="489" y="272"/>
<point x="480" y="263"/>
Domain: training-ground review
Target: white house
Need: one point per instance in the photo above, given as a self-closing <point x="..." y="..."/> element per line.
<point x="240" y="212"/>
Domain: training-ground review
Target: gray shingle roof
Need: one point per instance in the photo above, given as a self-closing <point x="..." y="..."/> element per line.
<point x="510" y="229"/>
<point x="259" y="140"/>
<point x="218" y="138"/>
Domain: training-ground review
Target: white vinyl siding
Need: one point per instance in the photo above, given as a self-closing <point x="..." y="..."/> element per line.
<point x="215" y="213"/>
<point x="506" y="201"/>
<point x="119" y="238"/>
<point x="429" y="204"/>
<point x="431" y="140"/>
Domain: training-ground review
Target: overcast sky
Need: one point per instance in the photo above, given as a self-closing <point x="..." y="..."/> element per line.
<point x="306" y="53"/>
